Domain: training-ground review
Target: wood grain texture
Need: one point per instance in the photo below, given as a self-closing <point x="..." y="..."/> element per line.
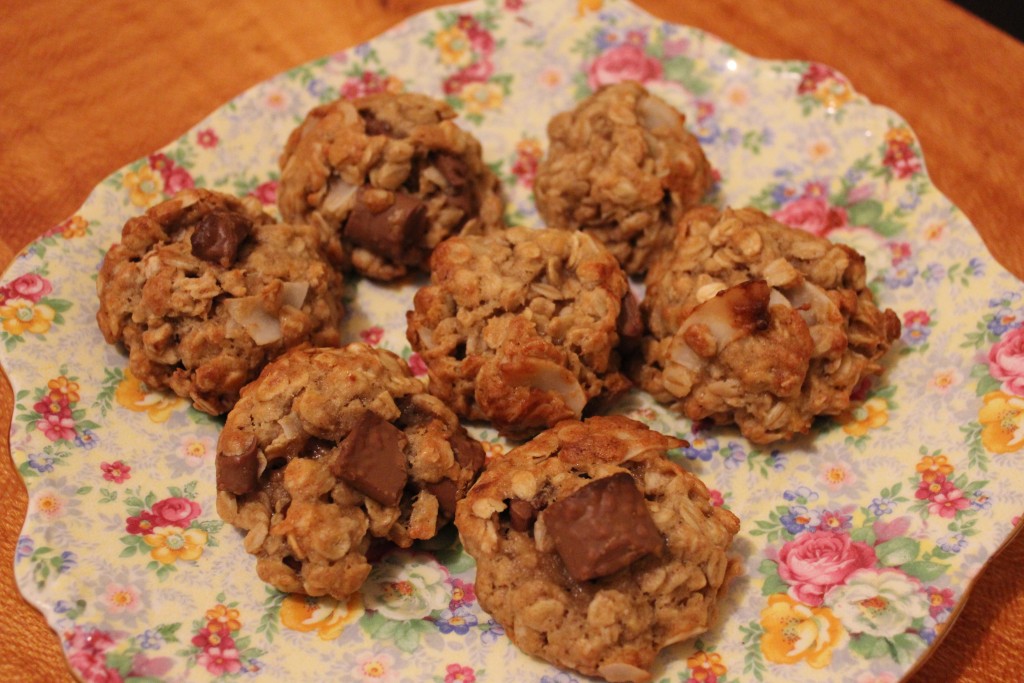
<point x="87" y="86"/>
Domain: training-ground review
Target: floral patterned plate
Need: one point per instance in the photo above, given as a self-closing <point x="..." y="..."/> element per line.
<point x="858" y="543"/>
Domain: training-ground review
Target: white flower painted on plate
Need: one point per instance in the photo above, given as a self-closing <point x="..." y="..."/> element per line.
<point x="837" y="475"/>
<point x="375" y="667"/>
<point x="551" y="78"/>
<point x="737" y="94"/>
<point x="49" y="504"/>
<point x="944" y="380"/>
<point x="119" y="598"/>
<point x="406" y="586"/>
<point x="195" y="450"/>
<point x="819" y="150"/>
<point x="879" y="602"/>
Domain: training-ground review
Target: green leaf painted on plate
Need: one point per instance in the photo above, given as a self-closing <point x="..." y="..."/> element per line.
<point x="897" y="551"/>
<point x="905" y="647"/>
<point x="924" y="570"/>
<point x="869" y="647"/>
<point x="774" y="584"/>
<point x="864" y="534"/>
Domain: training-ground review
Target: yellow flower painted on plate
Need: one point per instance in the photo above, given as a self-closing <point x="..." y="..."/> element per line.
<point x="833" y="93"/>
<point x="135" y="396"/>
<point x="932" y="467"/>
<point x="585" y="6"/>
<point x="872" y="414"/>
<point x="453" y="44"/>
<point x="899" y="135"/>
<point x="704" y="666"/>
<point x="170" y="544"/>
<point x="325" y="615"/>
<point x="63" y="387"/>
<point x="75" y="227"/>
<point x="529" y="147"/>
<point x="21" y="316"/>
<point x="143" y="186"/>
<point x="223" y="618"/>
<point x="479" y="97"/>
<point x="492" y="449"/>
<point x="1002" y="423"/>
<point x="393" y="85"/>
<point x="795" y="632"/>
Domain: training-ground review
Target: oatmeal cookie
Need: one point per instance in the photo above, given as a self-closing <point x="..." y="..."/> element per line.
<point x="204" y="289"/>
<point x="594" y="551"/>
<point x="387" y="177"/>
<point x="522" y="327"/>
<point x="755" y="323"/>
<point x="330" y="450"/>
<point x="622" y="167"/>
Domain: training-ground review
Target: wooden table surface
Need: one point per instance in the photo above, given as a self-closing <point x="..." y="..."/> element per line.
<point x="87" y="86"/>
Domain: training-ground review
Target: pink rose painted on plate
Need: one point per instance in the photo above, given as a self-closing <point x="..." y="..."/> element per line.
<point x="176" y="511"/>
<point x="1006" y="361"/>
<point x="28" y="286"/>
<point x="811" y="214"/>
<point x="266" y="192"/>
<point x="623" y="63"/>
<point x="177" y="179"/>
<point x="819" y="560"/>
<point x="86" y="650"/>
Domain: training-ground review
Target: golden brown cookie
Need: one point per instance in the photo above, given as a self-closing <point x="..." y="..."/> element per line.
<point x="330" y="450"/>
<point x="594" y="551"/>
<point x="204" y="289"/>
<point x="387" y="177"/>
<point x="622" y="167"/>
<point x="523" y="327"/>
<point x="758" y="324"/>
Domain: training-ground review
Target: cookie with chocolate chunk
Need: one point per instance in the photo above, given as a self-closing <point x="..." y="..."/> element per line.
<point x="594" y="551"/>
<point x="204" y="289"/>
<point x="759" y="324"/>
<point x="331" y="451"/>
<point x="622" y="167"/>
<point x="387" y="177"/>
<point x="524" y="327"/>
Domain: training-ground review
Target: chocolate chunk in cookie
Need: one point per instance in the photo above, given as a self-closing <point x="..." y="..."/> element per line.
<point x="372" y="459"/>
<point x="602" y="528"/>
<point x="218" y="235"/>
<point x="521" y="514"/>
<point x="374" y="126"/>
<point x="631" y="324"/>
<point x="388" y="224"/>
<point x="237" y="472"/>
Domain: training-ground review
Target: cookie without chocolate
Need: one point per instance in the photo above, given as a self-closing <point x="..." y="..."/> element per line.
<point x="522" y="327"/>
<point x="204" y="289"/>
<point x="755" y="323"/>
<point x="594" y="551"/>
<point x="622" y="167"/>
<point x="387" y="177"/>
<point x="330" y="450"/>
